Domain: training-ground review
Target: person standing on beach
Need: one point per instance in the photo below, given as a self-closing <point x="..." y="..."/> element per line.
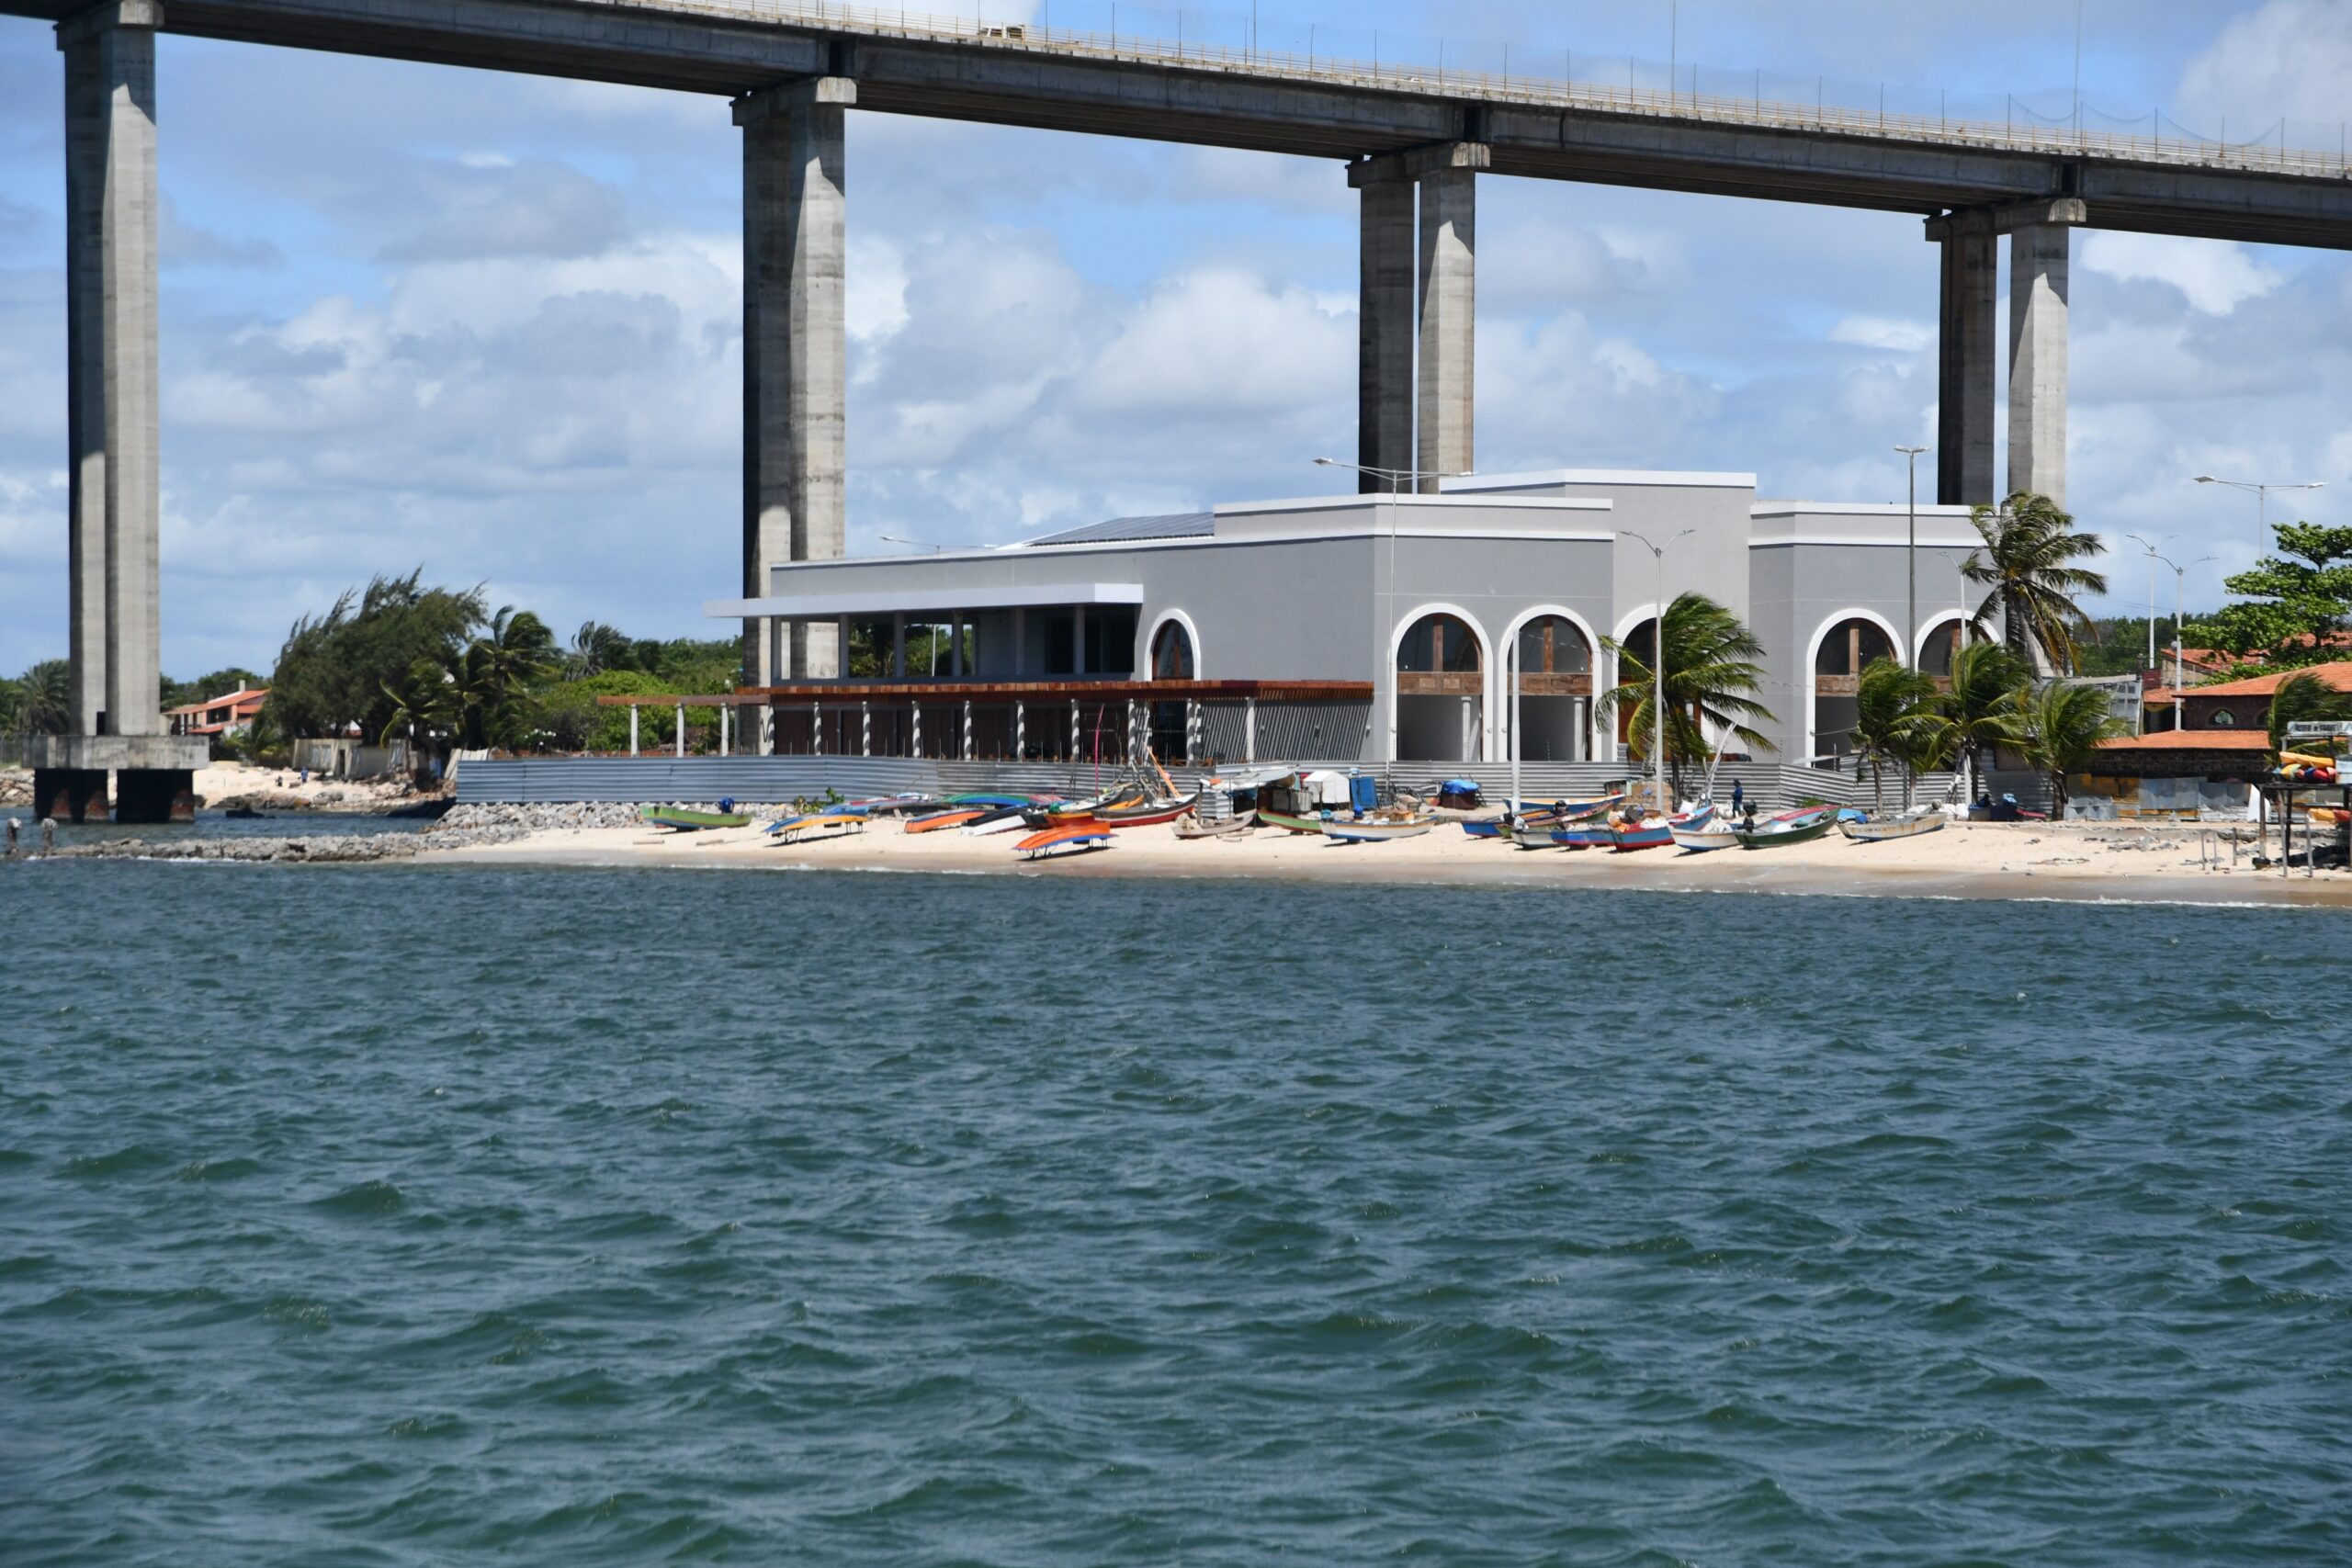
<point x="1738" y="794"/>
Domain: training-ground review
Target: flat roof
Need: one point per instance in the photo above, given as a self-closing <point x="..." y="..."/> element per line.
<point x="1467" y="483"/>
<point x="896" y="601"/>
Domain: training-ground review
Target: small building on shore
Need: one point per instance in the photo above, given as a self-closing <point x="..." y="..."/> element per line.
<point x="1467" y="626"/>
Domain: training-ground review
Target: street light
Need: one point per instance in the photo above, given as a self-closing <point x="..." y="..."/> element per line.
<point x="2179" y="576"/>
<point x="919" y="544"/>
<point x="2158" y="669"/>
<point x="1658" y="666"/>
<point x="1911" y="592"/>
<point x="2261" y="492"/>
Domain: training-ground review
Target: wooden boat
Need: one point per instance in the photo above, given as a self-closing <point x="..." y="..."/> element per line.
<point x="832" y="823"/>
<point x="1700" y="840"/>
<point x="1046" y="813"/>
<point x="1377" y="828"/>
<point x="1486" y="827"/>
<point x="1193" y="826"/>
<point x="1909" y="825"/>
<point x="953" y="817"/>
<point x="1000" y="822"/>
<point x="678" y="819"/>
<point x="1656" y="832"/>
<point x="1289" y="823"/>
<point x="1148" y="814"/>
<point x="1066" y="838"/>
<point x="1797" y="828"/>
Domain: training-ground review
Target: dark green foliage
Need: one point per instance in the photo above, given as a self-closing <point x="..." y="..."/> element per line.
<point x="2305" y="699"/>
<point x="220" y="684"/>
<point x="2029" y="543"/>
<point x="2303" y="593"/>
<point x="337" y="670"/>
<point x="43" y="699"/>
<point x="1978" y="712"/>
<point x="2058" y="729"/>
<point x="1713" y="667"/>
<point x="1894" y="716"/>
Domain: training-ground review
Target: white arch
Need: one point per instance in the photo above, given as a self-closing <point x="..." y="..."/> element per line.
<point x="1625" y="624"/>
<point x="1812" y="651"/>
<point x="1509" y="641"/>
<point x="1929" y="627"/>
<point x="1412" y="618"/>
<point x="1151" y="641"/>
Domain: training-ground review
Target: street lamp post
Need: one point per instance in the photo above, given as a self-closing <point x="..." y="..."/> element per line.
<point x="1911" y="592"/>
<point x="2261" y="492"/>
<point x="2152" y="558"/>
<point x="1396" y="478"/>
<point x="1658" y="666"/>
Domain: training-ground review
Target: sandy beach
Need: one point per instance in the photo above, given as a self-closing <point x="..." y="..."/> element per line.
<point x="2028" y="860"/>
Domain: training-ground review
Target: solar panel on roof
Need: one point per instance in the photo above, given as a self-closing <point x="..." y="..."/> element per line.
<point x="1166" y="526"/>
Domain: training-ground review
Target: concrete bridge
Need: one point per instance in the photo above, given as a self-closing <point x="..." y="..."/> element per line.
<point x="1414" y="141"/>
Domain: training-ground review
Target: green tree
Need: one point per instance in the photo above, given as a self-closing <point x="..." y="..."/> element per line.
<point x="596" y="648"/>
<point x="336" y="670"/>
<point x="423" y="707"/>
<point x="1893" y="718"/>
<point x="2291" y="599"/>
<point x="45" y="698"/>
<point x="1714" y="668"/>
<point x="11" y="707"/>
<point x="2024" y="566"/>
<point x="1976" y="714"/>
<point x="2059" y="727"/>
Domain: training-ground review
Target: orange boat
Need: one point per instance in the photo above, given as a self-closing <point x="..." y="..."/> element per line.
<point x="1065" y="837"/>
<point x="955" y="819"/>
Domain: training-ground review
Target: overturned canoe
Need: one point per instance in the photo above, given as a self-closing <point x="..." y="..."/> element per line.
<point x="678" y="819"/>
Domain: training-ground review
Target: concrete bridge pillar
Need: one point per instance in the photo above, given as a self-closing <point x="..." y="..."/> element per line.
<point x="795" y="353"/>
<point x="113" y="483"/>
<point x="1444" y="437"/>
<point x="1967" y="342"/>
<point x="2038" y="262"/>
<point x="1417" y="358"/>
<point x="1385" y="334"/>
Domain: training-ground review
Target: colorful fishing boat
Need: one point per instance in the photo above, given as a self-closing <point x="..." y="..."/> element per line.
<point x="1290" y="822"/>
<point x="1002" y="820"/>
<point x="1193" y="825"/>
<point x="1909" y="825"/>
<point x="953" y="817"/>
<point x="1066" y="838"/>
<point x="679" y="820"/>
<point x="1718" y="834"/>
<point x="1796" y="827"/>
<point x="1657" y="832"/>
<point x="1486" y="827"/>
<point x="1147" y="813"/>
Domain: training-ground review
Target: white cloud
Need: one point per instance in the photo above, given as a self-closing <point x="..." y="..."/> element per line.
<point x="2290" y="58"/>
<point x="2214" y="275"/>
<point x="1896" y="335"/>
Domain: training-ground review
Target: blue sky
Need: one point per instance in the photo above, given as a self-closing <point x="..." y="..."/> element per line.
<point x="490" y="324"/>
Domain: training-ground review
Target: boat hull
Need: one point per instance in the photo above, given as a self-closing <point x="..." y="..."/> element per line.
<point x="678" y="819"/>
<point x="1893" y="827"/>
<point x="1068" y="838"/>
<point x="1799" y="829"/>
<point x="1289" y="823"/>
<point x="1348" y="832"/>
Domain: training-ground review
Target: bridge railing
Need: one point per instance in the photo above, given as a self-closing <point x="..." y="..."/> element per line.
<point x="2019" y="130"/>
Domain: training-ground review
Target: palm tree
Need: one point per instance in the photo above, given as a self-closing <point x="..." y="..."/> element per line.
<point x="2059" y="728"/>
<point x="1713" y="665"/>
<point x="423" y="705"/>
<point x="1892" y="718"/>
<point x="2304" y="698"/>
<point x="597" y="647"/>
<point x="45" y="702"/>
<point x="2023" y="566"/>
<point x="1976" y="712"/>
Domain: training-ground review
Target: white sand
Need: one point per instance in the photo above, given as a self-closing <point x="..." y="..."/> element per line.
<point x="1967" y="860"/>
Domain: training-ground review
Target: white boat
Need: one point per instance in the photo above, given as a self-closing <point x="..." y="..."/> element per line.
<point x="1006" y="823"/>
<point x="1375" y="829"/>
<point x="1699" y="841"/>
<point x="1909" y="825"/>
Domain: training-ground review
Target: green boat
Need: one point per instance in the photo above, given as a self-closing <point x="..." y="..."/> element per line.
<point x="677" y="819"/>
<point x="1796" y="827"/>
<point x="1290" y="821"/>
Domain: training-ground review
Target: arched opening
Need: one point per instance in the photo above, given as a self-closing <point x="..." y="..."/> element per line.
<point x="1845" y="650"/>
<point x="1172" y="652"/>
<point x="1441" y="692"/>
<point x="1636" y="644"/>
<point x="1553" y="668"/>
<point x="1936" y="651"/>
<point x="1172" y="659"/>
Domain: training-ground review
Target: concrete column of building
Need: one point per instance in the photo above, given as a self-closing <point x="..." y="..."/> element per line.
<point x="1443" y="434"/>
<point x="2038" y="261"/>
<point x="1968" y="340"/>
<point x="795" y="349"/>
<point x="1385" y="332"/>
<point x="113" y="481"/>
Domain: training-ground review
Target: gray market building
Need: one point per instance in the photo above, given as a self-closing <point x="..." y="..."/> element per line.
<point x="1369" y="628"/>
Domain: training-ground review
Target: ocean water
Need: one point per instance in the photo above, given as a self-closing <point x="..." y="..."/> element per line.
<point x="404" y="1216"/>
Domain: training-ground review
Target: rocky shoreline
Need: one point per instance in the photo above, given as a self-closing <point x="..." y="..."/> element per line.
<point x="465" y="826"/>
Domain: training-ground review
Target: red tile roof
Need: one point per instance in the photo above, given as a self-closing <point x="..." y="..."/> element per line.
<point x="2191" y="741"/>
<point x="2337" y="677"/>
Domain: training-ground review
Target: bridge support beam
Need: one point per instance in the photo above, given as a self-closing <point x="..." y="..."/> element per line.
<point x="796" y="354"/>
<point x="2038" y="264"/>
<point x="113" y="483"/>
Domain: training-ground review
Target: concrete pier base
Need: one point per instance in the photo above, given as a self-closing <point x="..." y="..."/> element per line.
<point x="70" y="795"/>
<point x="1444" y="437"/>
<point x="1385" y="334"/>
<point x="154" y="777"/>
<point x="1970" y="339"/>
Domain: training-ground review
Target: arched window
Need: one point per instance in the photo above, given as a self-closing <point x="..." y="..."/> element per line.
<point x="1439" y="644"/>
<point x="1441" y="692"/>
<point x="1554" y="645"/>
<point x="1171" y="653"/>
<point x="1850" y="647"/>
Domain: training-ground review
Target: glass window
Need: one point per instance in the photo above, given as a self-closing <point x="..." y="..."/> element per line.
<point x="1552" y="645"/>
<point x="1438" y="643"/>
<point x="1171" y="653"/>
